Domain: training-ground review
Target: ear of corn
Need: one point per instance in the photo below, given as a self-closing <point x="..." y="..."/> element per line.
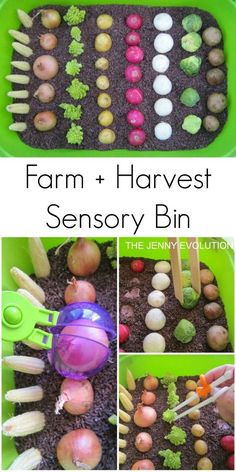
<point x="22" y="425"/>
<point x="123" y="429"/>
<point x="21" y="94"/>
<point x="25" y="364"/>
<point x="122" y="443"/>
<point x="130" y="380"/>
<point x="18" y="79"/>
<point x="18" y="108"/>
<point x="28" y="460"/>
<point x="126" y="402"/>
<point x="25" y="51"/>
<point x="25" y="19"/>
<point x="124" y="416"/>
<point x="25" y="395"/>
<point x="122" y="457"/>
<point x="21" y="65"/>
<point x="30" y="297"/>
<point x="19" y="36"/>
<point x="39" y="258"/>
<point x="125" y="391"/>
<point x="18" y="127"/>
<point x="24" y="281"/>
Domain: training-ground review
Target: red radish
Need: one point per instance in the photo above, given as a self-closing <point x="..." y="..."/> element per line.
<point x="227" y="442"/>
<point x="76" y="397"/>
<point x="134" y="96"/>
<point x="144" y="416"/>
<point x="134" y="21"/>
<point x="83" y="257"/>
<point x="148" y="398"/>
<point x="134" y="54"/>
<point x="79" y="291"/>
<point x="135" y="118"/>
<point x="133" y="73"/>
<point x="230" y="462"/>
<point x="79" y="450"/>
<point x="133" y="38"/>
<point x="144" y="464"/>
<point x="137" y="137"/>
<point x="124" y="333"/>
<point x="137" y="265"/>
<point x="143" y="442"/>
<point x="150" y="382"/>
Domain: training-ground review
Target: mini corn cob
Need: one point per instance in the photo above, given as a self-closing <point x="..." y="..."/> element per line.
<point x="22" y="49"/>
<point x="123" y="429"/>
<point x="122" y="443"/>
<point x="123" y="390"/>
<point x="28" y="460"/>
<point x="130" y="380"/>
<point x="22" y="425"/>
<point x="21" y="65"/>
<point x="18" y="79"/>
<point x="25" y="364"/>
<point x="22" y="94"/>
<point x="30" y="297"/>
<point x="126" y="402"/>
<point x="18" y="108"/>
<point x="39" y="258"/>
<point x="24" y="281"/>
<point x="18" y="127"/>
<point x="25" y="395"/>
<point x="19" y="36"/>
<point x="124" y="416"/>
<point x="122" y="457"/>
<point x="25" y="19"/>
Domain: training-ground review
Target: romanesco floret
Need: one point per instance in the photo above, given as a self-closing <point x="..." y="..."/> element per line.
<point x="77" y="89"/>
<point x="73" y="67"/>
<point x="168" y="378"/>
<point x="173" y="398"/>
<point x="74" y="16"/>
<point x="169" y="416"/>
<point x="71" y="112"/>
<point x="177" y="436"/>
<point x="75" y="48"/>
<point x="172" y="459"/>
<point x="112" y="254"/>
<point x="76" y="33"/>
<point x="75" y="134"/>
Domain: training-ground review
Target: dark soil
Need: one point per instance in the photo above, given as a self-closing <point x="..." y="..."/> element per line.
<point x="180" y="139"/>
<point x="104" y="383"/>
<point x="171" y="308"/>
<point x="214" y="427"/>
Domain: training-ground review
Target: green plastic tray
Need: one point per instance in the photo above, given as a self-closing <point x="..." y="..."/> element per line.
<point x="220" y="261"/>
<point x="224" y="145"/>
<point x="15" y="253"/>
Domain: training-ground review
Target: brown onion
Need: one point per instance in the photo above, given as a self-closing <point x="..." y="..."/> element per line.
<point x="48" y="41"/>
<point x="143" y="442"/>
<point x="144" y="464"/>
<point x="76" y="397"/>
<point x="45" y="67"/>
<point x="148" y="398"/>
<point x="45" y="93"/>
<point x="45" y="121"/>
<point x="50" y="18"/>
<point x="79" y="450"/>
<point x="83" y="257"/>
<point x="150" y="382"/>
<point x="145" y="416"/>
<point x="79" y="291"/>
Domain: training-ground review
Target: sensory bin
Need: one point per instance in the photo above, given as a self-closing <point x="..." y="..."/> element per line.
<point x="96" y="415"/>
<point x="101" y="123"/>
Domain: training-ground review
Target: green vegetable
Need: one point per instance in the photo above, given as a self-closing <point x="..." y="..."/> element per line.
<point x="192" y="124"/>
<point x="77" y="89"/>
<point x="192" y="23"/>
<point x="113" y="420"/>
<point x="190" y="97"/>
<point x="184" y="331"/>
<point x="75" y="134"/>
<point x="169" y="416"/>
<point x="168" y="379"/>
<point x="76" y="33"/>
<point x="191" y="42"/>
<point x="72" y="112"/>
<point x="172" y="459"/>
<point x="186" y="278"/>
<point x="74" y="16"/>
<point x="191" y="65"/>
<point x="111" y="252"/>
<point x="185" y="264"/>
<point x="173" y="398"/>
<point x="177" y="436"/>
<point x="73" y="67"/>
<point x="75" y="48"/>
<point x="191" y="298"/>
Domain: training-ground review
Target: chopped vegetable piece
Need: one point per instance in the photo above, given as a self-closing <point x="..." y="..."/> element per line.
<point x="169" y="416"/>
<point x="192" y="23"/>
<point x="72" y="112"/>
<point x="73" y="67"/>
<point x="191" y="65"/>
<point x="191" y="42"/>
<point x="76" y="33"/>
<point x="172" y="459"/>
<point x="77" y="89"/>
<point x="113" y="420"/>
<point x="190" y="97"/>
<point x="75" y="48"/>
<point x="177" y="436"/>
<point x="74" y="16"/>
<point x="75" y="134"/>
<point x="192" y="125"/>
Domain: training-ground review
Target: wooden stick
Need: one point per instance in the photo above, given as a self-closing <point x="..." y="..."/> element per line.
<point x="194" y="264"/>
<point x="176" y="268"/>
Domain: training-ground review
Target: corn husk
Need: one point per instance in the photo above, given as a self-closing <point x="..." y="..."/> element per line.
<point x="25" y="19"/>
<point x="19" y="36"/>
<point x="18" y="79"/>
<point x="25" y="395"/>
<point x="25" y="424"/>
<point x="21" y="65"/>
<point x="130" y="380"/>
<point x="18" y="94"/>
<point x="25" y="364"/>
<point x="24" y="281"/>
<point x="39" y="258"/>
<point x="25" y="51"/>
<point x="18" y="127"/>
<point x="28" y="460"/>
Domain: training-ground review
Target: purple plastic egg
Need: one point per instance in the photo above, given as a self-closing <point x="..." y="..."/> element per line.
<point x="134" y="54"/>
<point x="134" y="96"/>
<point x="134" y="21"/>
<point x="133" y="38"/>
<point x="135" y="118"/>
<point x="137" y="137"/>
<point x="133" y="73"/>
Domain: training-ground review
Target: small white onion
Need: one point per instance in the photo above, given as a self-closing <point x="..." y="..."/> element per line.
<point x="155" y="319"/>
<point x="163" y="131"/>
<point x="156" y="298"/>
<point x="163" y="107"/>
<point x="154" y="342"/>
<point x="163" y="43"/>
<point x="163" y="22"/>
<point x="162" y="85"/>
<point x="160" y="63"/>
<point x="162" y="266"/>
<point x="160" y="281"/>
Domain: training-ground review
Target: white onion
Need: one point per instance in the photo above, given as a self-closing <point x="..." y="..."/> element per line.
<point x="163" y="131"/>
<point x="160" y="63"/>
<point x="155" y="319"/>
<point x="154" y="342"/>
<point x="163" y="22"/>
<point x="163" y="43"/>
<point x="156" y="298"/>
<point x="162" y="266"/>
<point x="162" y="85"/>
<point x="163" y="107"/>
<point x="160" y="281"/>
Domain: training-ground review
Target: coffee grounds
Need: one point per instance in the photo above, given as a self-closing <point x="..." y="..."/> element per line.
<point x="104" y="383"/>
<point x="56" y="139"/>
<point x="171" y="308"/>
<point x="214" y="427"/>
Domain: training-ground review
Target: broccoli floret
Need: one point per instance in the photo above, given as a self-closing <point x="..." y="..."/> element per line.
<point x="72" y="112"/>
<point x="172" y="459"/>
<point x="168" y="378"/>
<point x="76" y="33"/>
<point x="73" y="67"/>
<point x="75" y="48"/>
<point x="75" y="134"/>
<point x="74" y="16"/>
<point x="169" y="416"/>
<point x="173" y="398"/>
<point x="177" y="436"/>
<point x="77" y="89"/>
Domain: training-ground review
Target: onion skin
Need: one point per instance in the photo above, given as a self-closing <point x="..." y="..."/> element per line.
<point x="79" y="291"/>
<point x="48" y="41"/>
<point x="45" y="93"/>
<point x="148" y="398"/>
<point x="143" y="442"/>
<point x="45" y="67"/>
<point x="79" y="450"/>
<point x="83" y="257"/>
<point x="145" y="464"/>
<point x="50" y="18"/>
<point x="150" y="382"/>
<point x="76" y="397"/>
<point x="145" y="416"/>
<point x="45" y="121"/>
